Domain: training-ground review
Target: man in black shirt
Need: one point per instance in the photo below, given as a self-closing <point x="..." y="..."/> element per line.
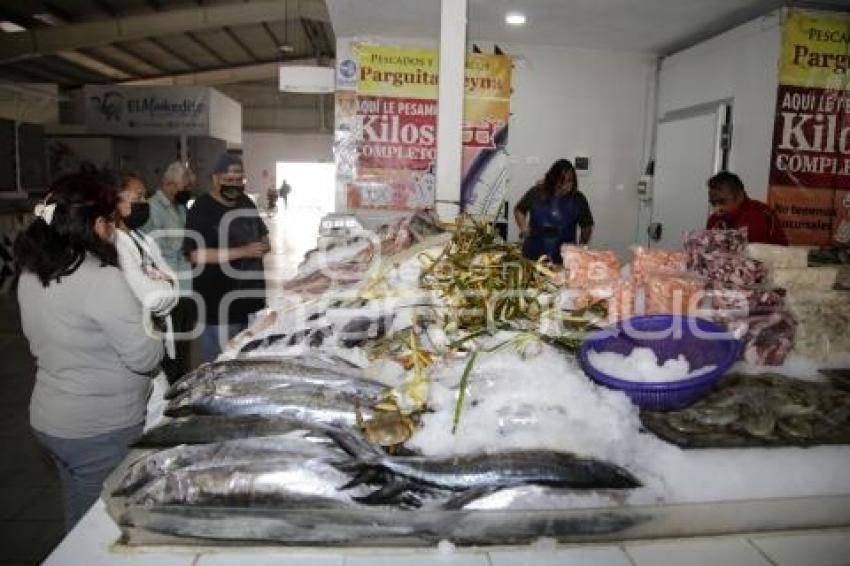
<point x="226" y="241"/>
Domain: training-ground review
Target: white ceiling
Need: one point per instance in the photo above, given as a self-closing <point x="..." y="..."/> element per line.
<point x="652" y="26"/>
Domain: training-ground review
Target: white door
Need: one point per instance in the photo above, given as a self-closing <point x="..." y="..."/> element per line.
<point x="688" y="152"/>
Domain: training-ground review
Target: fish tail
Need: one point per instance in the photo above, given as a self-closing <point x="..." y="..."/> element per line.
<point x="355" y="445"/>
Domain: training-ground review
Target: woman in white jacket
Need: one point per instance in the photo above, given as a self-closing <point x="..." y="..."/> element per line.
<point x="147" y="273"/>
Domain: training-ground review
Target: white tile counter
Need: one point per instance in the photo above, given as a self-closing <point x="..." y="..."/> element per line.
<point x="94" y="543"/>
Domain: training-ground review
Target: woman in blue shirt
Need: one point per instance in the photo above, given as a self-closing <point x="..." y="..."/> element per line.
<point x="551" y="212"/>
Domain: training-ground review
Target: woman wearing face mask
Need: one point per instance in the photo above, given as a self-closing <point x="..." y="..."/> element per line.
<point x="147" y="273"/>
<point x="549" y="213"/>
<point x="84" y="327"/>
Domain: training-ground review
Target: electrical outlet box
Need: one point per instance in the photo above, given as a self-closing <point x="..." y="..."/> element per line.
<point x="582" y="164"/>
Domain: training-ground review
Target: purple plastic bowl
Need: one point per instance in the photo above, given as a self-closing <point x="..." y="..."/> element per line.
<point x="720" y="350"/>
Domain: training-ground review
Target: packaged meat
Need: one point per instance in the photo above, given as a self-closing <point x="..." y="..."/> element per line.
<point x="646" y="260"/>
<point x="808" y="278"/>
<point x="589" y="268"/>
<point x="673" y="294"/>
<point x="731" y="271"/>
<point x="622" y="302"/>
<point x="699" y="243"/>
<point x="768" y="339"/>
<point x="755" y="300"/>
<point x="779" y="256"/>
<point x="823" y="319"/>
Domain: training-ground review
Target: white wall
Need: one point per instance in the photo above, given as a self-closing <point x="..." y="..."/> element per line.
<point x="741" y="64"/>
<point x="225" y="118"/>
<point x="263" y="150"/>
<point x="569" y="102"/>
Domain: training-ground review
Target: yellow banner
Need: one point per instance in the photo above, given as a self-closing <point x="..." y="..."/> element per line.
<point x="414" y="73"/>
<point x="816" y="51"/>
<point x="396" y="71"/>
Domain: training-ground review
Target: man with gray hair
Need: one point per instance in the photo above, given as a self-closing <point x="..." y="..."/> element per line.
<point x="167" y="224"/>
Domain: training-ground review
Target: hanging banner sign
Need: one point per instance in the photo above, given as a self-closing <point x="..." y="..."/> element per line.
<point x="147" y="111"/>
<point x="810" y="161"/>
<point x="392" y="128"/>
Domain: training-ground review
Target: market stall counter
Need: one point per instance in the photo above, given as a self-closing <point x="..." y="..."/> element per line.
<point x="416" y="388"/>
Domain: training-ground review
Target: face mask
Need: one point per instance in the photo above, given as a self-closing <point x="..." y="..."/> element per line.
<point x="183" y="196"/>
<point x="232" y="192"/>
<point x="139" y="214"/>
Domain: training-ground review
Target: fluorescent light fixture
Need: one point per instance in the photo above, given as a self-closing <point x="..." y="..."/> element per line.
<point x="515" y="18"/>
<point x="306" y="79"/>
<point x="10" y="27"/>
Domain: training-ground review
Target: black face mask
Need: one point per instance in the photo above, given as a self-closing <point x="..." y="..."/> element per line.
<point x="183" y="196"/>
<point x="139" y="214"/>
<point x="232" y="192"/>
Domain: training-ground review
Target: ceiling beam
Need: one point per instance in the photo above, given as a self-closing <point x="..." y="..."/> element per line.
<point x="58" y="11"/>
<point x="110" y="61"/>
<point x="19" y="18"/>
<point x="271" y="34"/>
<point x="106" y="8"/>
<point x="310" y="36"/>
<point x="242" y="45"/>
<point x="171" y="52"/>
<point x="205" y="48"/>
<point x="94" y="65"/>
<point x="45" y="41"/>
<point x="223" y="75"/>
<point x="138" y="59"/>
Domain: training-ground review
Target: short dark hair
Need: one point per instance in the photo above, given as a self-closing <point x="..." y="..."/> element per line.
<point x="54" y="250"/>
<point x="728" y="181"/>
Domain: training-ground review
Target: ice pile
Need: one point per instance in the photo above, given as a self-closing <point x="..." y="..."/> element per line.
<point x="512" y="402"/>
<point x="641" y="365"/>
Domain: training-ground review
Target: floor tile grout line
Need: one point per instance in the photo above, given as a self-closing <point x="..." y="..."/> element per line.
<point x="761" y="552"/>
<point x="629" y="557"/>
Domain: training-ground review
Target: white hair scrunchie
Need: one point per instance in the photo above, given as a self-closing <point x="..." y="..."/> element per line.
<point x="45" y="211"/>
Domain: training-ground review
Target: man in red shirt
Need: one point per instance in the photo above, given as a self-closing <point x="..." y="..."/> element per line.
<point x="732" y="208"/>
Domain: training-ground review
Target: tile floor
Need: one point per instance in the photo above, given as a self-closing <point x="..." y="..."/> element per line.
<point x="31" y="520"/>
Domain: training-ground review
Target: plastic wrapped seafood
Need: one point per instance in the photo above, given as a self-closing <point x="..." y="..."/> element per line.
<point x="622" y="302"/>
<point x="781" y="257"/>
<point x="646" y="261"/>
<point x="701" y="243"/>
<point x="753" y="300"/>
<point x="589" y="268"/>
<point x="766" y="339"/>
<point x="673" y="294"/>
<point x="807" y="278"/>
<point x="731" y="271"/>
<point x="824" y="319"/>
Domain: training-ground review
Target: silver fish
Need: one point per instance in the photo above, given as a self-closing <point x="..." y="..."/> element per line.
<point x="260" y="483"/>
<point x="309" y="404"/>
<point x="297" y="444"/>
<point x="201" y="429"/>
<point x="312" y="371"/>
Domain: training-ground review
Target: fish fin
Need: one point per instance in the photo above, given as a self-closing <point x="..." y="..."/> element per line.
<point x="364" y="476"/>
<point x="466" y="497"/>
<point x="392" y="492"/>
<point x="355" y="445"/>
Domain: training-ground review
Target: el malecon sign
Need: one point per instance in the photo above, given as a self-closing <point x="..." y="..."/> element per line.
<point x="810" y="161"/>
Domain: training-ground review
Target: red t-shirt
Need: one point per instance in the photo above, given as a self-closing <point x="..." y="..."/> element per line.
<point x="763" y="226"/>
